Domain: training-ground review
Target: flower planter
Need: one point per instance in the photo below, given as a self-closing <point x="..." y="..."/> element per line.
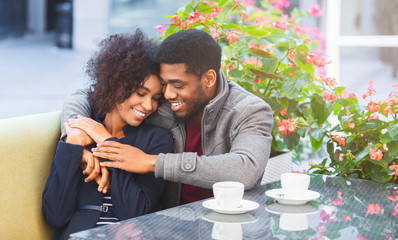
<point x="278" y="164"/>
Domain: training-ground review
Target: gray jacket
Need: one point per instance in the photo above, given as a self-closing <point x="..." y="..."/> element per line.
<point x="236" y="140"/>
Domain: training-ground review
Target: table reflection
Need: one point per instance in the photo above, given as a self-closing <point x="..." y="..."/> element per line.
<point x="346" y="209"/>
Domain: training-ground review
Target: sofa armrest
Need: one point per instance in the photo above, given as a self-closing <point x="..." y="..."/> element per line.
<point x="27" y="146"/>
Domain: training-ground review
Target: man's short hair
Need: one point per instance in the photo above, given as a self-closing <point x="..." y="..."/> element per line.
<point x="195" y="48"/>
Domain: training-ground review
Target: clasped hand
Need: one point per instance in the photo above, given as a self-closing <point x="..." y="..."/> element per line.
<point x="77" y="133"/>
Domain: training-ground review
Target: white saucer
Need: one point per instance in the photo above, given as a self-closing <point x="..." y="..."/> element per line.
<point x="278" y="195"/>
<point x="245" y="206"/>
<point x="243" y="218"/>
<point x="277" y="208"/>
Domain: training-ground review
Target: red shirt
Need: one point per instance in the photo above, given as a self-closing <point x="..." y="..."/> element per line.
<point x="190" y="193"/>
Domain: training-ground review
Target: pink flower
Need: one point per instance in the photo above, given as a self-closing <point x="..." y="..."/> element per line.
<point x="213" y="32"/>
<point x="281" y="23"/>
<point x="328" y="95"/>
<point x="373" y="107"/>
<point x="280" y="4"/>
<point x="341" y="157"/>
<point x="287" y="126"/>
<point x="351" y="125"/>
<point x="214" y="13"/>
<point x="359" y="237"/>
<point x="395" y="169"/>
<point x="373" y="116"/>
<point x="375" y="154"/>
<point x="347" y="218"/>
<point x="181" y="25"/>
<point x="283" y="112"/>
<point x="291" y="56"/>
<point x="373" y="209"/>
<point x="330" y="82"/>
<point x="339" y="139"/>
<point x="338" y="201"/>
<point x="258" y="80"/>
<point x="315" y="10"/>
<point x="395" y="210"/>
<point x="174" y="19"/>
<point x="160" y="28"/>
<point x="233" y="36"/>
<point x="371" y="91"/>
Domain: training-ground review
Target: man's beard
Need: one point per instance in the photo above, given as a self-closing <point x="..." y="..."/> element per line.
<point x="198" y="106"/>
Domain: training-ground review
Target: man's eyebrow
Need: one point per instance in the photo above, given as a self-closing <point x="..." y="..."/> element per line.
<point x="174" y="81"/>
<point x="145" y="88"/>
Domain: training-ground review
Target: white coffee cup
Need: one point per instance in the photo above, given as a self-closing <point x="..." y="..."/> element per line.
<point x="295" y="184"/>
<point x="228" y="194"/>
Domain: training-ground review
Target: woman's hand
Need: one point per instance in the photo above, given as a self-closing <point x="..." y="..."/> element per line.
<point x="77" y="136"/>
<point x="91" y="167"/>
<point x="93" y="128"/>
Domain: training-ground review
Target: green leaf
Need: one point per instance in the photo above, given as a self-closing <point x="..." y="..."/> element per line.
<point x="291" y="140"/>
<point x="225" y="11"/>
<point x="260" y="52"/>
<point x="362" y="154"/>
<point x="221" y="3"/>
<point x="346" y="101"/>
<point x="231" y="25"/>
<point x="227" y="51"/>
<point x="270" y="64"/>
<point x="392" y="149"/>
<point x="258" y="33"/>
<point x="264" y="74"/>
<point x="330" y="150"/>
<point x="235" y="73"/>
<point x="338" y="90"/>
<point x="316" y="137"/>
<point x="393" y="130"/>
<point x="320" y="110"/>
<point x="291" y="88"/>
<point x="380" y="174"/>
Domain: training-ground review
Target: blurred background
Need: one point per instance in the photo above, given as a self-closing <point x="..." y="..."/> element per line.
<point x="44" y="44"/>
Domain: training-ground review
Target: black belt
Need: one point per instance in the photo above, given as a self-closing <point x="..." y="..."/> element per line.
<point x="101" y="208"/>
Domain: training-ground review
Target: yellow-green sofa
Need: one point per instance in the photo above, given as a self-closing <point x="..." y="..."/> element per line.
<point x="27" y="146"/>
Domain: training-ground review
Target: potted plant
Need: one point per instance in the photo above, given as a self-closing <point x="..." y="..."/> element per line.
<point x="271" y="54"/>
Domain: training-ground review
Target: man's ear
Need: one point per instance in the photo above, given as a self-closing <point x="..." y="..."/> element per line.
<point x="210" y="78"/>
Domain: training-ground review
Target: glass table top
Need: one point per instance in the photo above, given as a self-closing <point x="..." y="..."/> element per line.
<point x="346" y="209"/>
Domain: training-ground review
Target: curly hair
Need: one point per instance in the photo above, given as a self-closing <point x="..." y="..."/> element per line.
<point x="195" y="48"/>
<point x="118" y="68"/>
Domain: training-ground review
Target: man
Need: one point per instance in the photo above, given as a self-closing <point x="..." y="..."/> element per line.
<point x="221" y="132"/>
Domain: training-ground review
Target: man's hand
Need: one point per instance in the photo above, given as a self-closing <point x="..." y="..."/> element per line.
<point x="125" y="157"/>
<point x="77" y="136"/>
<point x="94" y="129"/>
<point x="91" y="167"/>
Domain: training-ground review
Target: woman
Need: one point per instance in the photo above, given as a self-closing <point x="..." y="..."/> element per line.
<point x="125" y="90"/>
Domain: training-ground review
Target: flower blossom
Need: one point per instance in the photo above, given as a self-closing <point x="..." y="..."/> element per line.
<point x="315" y="10"/>
<point x="359" y="237"/>
<point x="375" y="154"/>
<point x="351" y="125"/>
<point x="287" y="126"/>
<point x="338" y="201"/>
<point x="174" y="19"/>
<point x="316" y="59"/>
<point x="339" y="139"/>
<point x="373" y="107"/>
<point x="341" y="157"/>
<point x="395" y="210"/>
<point x="233" y="36"/>
<point x="373" y="209"/>
<point x="258" y="80"/>
<point x="214" y="13"/>
<point x="395" y="169"/>
<point x="370" y="91"/>
<point x="213" y="32"/>
<point x="280" y="4"/>
<point x="328" y="95"/>
<point x="291" y="56"/>
<point x="283" y="112"/>
<point x="373" y="116"/>
<point x="302" y="30"/>
<point x="347" y="218"/>
<point x="330" y="82"/>
<point x="181" y="25"/>
<point x="160" y="28"/>
<point x="281" y="23"/>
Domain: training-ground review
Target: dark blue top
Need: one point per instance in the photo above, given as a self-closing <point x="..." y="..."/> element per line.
<point x="132" y="194"/>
